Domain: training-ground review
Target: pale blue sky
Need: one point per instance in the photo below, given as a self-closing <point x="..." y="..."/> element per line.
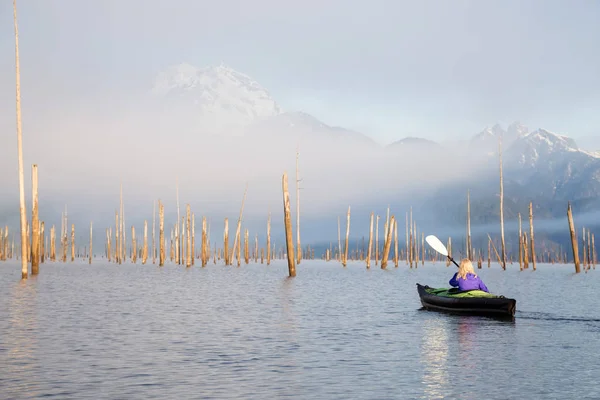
<point x="390" y="69"/>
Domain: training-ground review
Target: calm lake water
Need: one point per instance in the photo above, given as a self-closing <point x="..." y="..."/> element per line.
<point x="138" y="332"/>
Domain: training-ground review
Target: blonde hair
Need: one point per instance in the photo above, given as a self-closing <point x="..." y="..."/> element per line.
<point x="465" y="267"/>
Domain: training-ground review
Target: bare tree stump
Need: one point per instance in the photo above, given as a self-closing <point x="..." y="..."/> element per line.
<point x="288" y="227"/>
<point x="574" y="244"/>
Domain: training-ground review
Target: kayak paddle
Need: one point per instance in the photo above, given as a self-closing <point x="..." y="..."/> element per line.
<point x="438" y="246"/>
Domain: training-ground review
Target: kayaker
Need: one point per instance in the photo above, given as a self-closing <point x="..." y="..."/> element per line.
<point x="466" y="278"/>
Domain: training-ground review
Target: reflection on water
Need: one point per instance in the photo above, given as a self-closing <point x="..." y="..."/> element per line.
<point x="434" y="348"/>
<point x="18" y="340"/>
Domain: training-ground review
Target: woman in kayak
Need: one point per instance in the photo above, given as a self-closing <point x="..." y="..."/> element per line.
<point x="466" y="279"/>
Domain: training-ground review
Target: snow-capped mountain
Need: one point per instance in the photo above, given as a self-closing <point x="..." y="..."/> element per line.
<point x="541" y="146"/>
<point x="487" y="140"/>
<point x="552" y="165"/>
<point x="217" y="93"/>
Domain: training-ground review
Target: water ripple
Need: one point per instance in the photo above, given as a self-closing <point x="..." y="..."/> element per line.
<point x="142" y="332"/>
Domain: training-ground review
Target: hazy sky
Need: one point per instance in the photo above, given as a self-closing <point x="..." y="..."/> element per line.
<point x="387" y="68"/>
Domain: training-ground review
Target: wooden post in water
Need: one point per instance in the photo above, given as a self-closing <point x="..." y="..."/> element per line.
<point x="495" y="251"/>
<point x="387" y="224"/>
<point x="3" y="255"/>
<point x="204" y="252"/>
<point x="22" y="210"/>
<point x="238" y="254"/>
<point x="370" y="246"/>
<point x="377" y="241"/>
<point x="449" y="251"/>
<point x="28" y="243"/>
<point x="35" y="223"/>
<point x="588" y="248"/>
<point x="416" y="244"/>
<point x="153" y="232"/>
<point x="246" y="247"/>
<point x="53" y="243"/>
<point x="520" y="244"/>
<point x="594" y="261"/>
<point x="145" y="249"/>
<point x="117" y="254"/>
<point x="122" y="243"/>
<point x="288" y="227"/>
<point x="175" y="243"/>
<point x="133" y="245"/>
<point x="193" y="249"/>
<point x="345" y="259"/>
<point x="182" y="241"/>
<point x="161" y="233"/>
<point x="584" y="252"/>
<point x="188" y="236"/>
<point x="72" y="242"/>
<point x="91" y="248"/>
<point x="525" y="252"/>
<point x="43" y="243"/>
<point x="502" y="205"/>
<point x="256" y="248"/>
<point x="387" y="244"/>
<point x="237" y="245"/>
<point x="574" y="244"/>
<point x="531" y="235"/>
<point x="226" y="243"/>
<point x="269" y="239"/>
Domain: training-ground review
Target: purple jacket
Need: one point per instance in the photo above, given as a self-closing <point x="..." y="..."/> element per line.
<point x="471" y="283"/>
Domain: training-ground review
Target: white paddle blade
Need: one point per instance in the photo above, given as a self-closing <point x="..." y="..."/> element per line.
<point x="437" y="245"/>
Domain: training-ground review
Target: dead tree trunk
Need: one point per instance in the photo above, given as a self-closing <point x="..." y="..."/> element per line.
<point x="269" y="239"/>
<point x="288" y="227"/>
<point x="204" y="250"/>
<point x="377" y="241"/>
<point x="574" y="244"/>
<point x="133" y="245"/>
<point x="153" y="232"/>
<point x="43" y="243"/>
<point x="72" y="242"/>
<point x="370" y="246"/>
<point x="35" y="223"/>
<point x="345" y="261"/>
<point x="161" y="233"/>
<point x="237" y="240"/>
<point x="188" y="233"/>
<point x="226" y="243"/>
<point x="531" y="235"/>
<point x="387" y="244"/>
<point x="520" y="244"/>
<point x="91" y="248"/>
<point x="145" y="249"/>
<point x="502" y="206"/>
<point x="22" y="210"/>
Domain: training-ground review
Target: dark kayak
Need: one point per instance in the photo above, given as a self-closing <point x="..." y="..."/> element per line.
<point x="476" y="302"/>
